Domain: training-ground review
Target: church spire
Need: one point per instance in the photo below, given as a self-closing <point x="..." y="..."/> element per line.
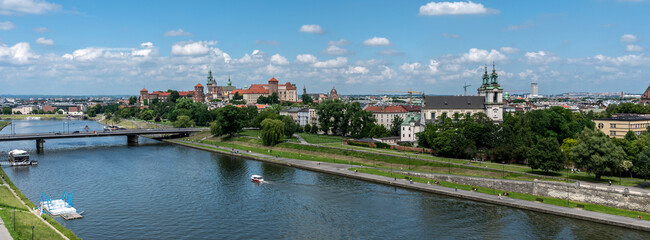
<point x="229" y="83"/>
<point x="210" y="78"/>
<point x="486" y="77"/>
<point x="494" y="76"/>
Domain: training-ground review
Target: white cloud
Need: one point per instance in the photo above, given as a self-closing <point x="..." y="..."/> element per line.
<point x="334" y="50"/>
<point x="454" y="8"/>
<point x="629" y="38"/>
<point x="411" y="68"/>
<point x="7" y="25"/>
<point x="85" y="54"/>
<point x="279" y="59"/>
<point x="306" y="58"/>
<point x="627" y="60"/>
<point x="314" y="28"/>
<point x="176" y="33"/>
<point x="606" y="69"/>
<point x="256" y="56"/>
<point x="451" y="35"/>
<point x="376" y="41"/>
<point x="11" y="7"/>
<point x="340" y="42"/>
<point x="192" y="48"/>
<point x="357" y="70"/>
<point x="634" y="48"/>
<point x="146" y="45"/>
<point x="509" y="50"/>
<point x="20" y="53"/>
<point x="332" y="63"/>
<point x="476" y="55"/>
<point x="541" y="57"/>
<point x="41" y="30"/>
<point x="45" y="42"/>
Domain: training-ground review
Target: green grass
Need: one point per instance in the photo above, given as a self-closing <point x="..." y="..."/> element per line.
<point x="3" y="124"/>
<point x="319" y="139"/>
<point x="250" y="132"/>
<point x="522" y="196"/>
<point x="25" y="219"/>
<point x="283" y="154"/>
<point x="626" y="181"/>
<point x="67" y="232"/>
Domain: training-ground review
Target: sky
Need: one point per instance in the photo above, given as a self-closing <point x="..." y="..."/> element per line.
<point x="360" y="47"/>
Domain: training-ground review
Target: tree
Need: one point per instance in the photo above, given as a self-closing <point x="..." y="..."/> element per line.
<point x="237" y="99"/>
<point x="307" y="100"/>
<point x="630" y="136"/>
<point x="183" y="122"/>
<point x="133" y="100"/>
<point x="147" y="115"/>
<point x="546" y="155"/>
<point x="265" y="114"/>
<point x="567" y="146"/>
<point x="642" y="166"/>
<point x="173" y="96"/>
<point x="272" y="131"/>
<point x="92" y="113"/>
<point x="6" y="110"/>
<point x="271" y="99"/>
<point x="596" y="153"/>
<point x="290" y="126"/>
<point x="396" y="126"/>
<point x="379" y="131"/>
<point x="307" y="128"/>
<point x="229" y="120"/>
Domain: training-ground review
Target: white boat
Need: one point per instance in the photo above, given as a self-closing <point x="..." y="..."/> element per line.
<point x="20" y="158"/>
<point x="257" y="178"/>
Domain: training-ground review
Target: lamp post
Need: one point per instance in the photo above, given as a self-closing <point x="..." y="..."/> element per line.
<point x="14" y="218"/>
<point x="32" y="232"/>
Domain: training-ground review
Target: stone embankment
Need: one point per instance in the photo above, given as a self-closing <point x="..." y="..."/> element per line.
<point x="342" y="170"/>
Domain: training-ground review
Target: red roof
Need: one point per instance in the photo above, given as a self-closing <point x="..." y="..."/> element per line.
<point x="254" y="89"/>
<point x="185" y="93"/>
<point x="386" y="109"/>
<point x="273" y="80"/>
<point x="160" y="94"/>
<point x="144" y="90"/>
<point x="198" y="85"/>
<point x="289" y="86"/>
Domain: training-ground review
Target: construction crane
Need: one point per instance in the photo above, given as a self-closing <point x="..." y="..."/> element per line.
<point x="410" y="92"/>
<point x="465" y="87"/>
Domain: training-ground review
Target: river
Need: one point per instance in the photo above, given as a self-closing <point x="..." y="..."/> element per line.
<point x="156" y="190"/>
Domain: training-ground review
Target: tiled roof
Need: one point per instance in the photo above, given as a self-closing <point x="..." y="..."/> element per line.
<point x="386" y="109"/>
<point x="198" y="85"/>
<point x="254" y="89"/>
<point x="144" y="90"/>
<point x="289" y="86"/>
<point x="185" y="93"/>
<point x="273" y="80"/>
<point x="454" y="102"/>
<point x="160" y="94"/>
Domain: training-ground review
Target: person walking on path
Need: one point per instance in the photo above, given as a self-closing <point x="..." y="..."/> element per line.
<point x="610" y="182"/>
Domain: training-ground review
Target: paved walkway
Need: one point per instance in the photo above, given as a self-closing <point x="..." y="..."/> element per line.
<point x="136" y="123"/>
<point x="4" y="233"/>
<point x="342" y="170"/>
<point x="302" y="140"/>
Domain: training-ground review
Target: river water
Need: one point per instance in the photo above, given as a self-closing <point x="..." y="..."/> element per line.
<point x="161" y="191"/>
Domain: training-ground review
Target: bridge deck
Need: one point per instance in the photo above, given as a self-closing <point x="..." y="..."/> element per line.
<point x="36" y="136"/>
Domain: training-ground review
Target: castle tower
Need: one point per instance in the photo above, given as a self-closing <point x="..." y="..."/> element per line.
<point x="144" y="97"/>
<point x="273" y="86"/>
<point x="198" y="95"/>
<point x="333" y="94"/>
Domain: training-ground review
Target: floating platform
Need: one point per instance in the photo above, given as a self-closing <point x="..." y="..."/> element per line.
<point x="62" y="207"/>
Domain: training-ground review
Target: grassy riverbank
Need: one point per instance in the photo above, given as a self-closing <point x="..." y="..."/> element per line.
<point x="379" y="166"/>
<point x="3" y="124"/>
<point x="522" y="196"/>
<point x="42" y="116"/>
<point x="24" y="219"/>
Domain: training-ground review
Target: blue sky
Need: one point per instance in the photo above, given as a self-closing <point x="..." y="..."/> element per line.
<point x="361" y="47"/>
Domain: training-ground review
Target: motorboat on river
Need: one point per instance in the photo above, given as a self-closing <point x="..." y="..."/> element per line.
<point x="257" y="178"/>
<point x="20" y="158"/>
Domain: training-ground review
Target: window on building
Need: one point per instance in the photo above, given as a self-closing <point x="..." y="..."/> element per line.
<point x="612" y="125"/>
<point x="409" y="135"/>
<point x="601" y="125"/>
<point x="612" y="133"/>
<point x="433" y="115"/>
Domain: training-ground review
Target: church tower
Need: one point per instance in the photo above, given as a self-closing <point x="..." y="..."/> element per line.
<point x="493" y="93"/>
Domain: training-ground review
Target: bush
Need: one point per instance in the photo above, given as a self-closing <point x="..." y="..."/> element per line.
<point x="382" y="145"/>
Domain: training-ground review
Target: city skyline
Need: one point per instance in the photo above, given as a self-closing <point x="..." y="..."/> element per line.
<point x="361" y="47"/>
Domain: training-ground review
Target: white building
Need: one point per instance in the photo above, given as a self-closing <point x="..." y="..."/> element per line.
<point x="410" y="126"/>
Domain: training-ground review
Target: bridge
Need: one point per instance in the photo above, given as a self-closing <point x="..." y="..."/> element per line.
<point x="131" y="135"/>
